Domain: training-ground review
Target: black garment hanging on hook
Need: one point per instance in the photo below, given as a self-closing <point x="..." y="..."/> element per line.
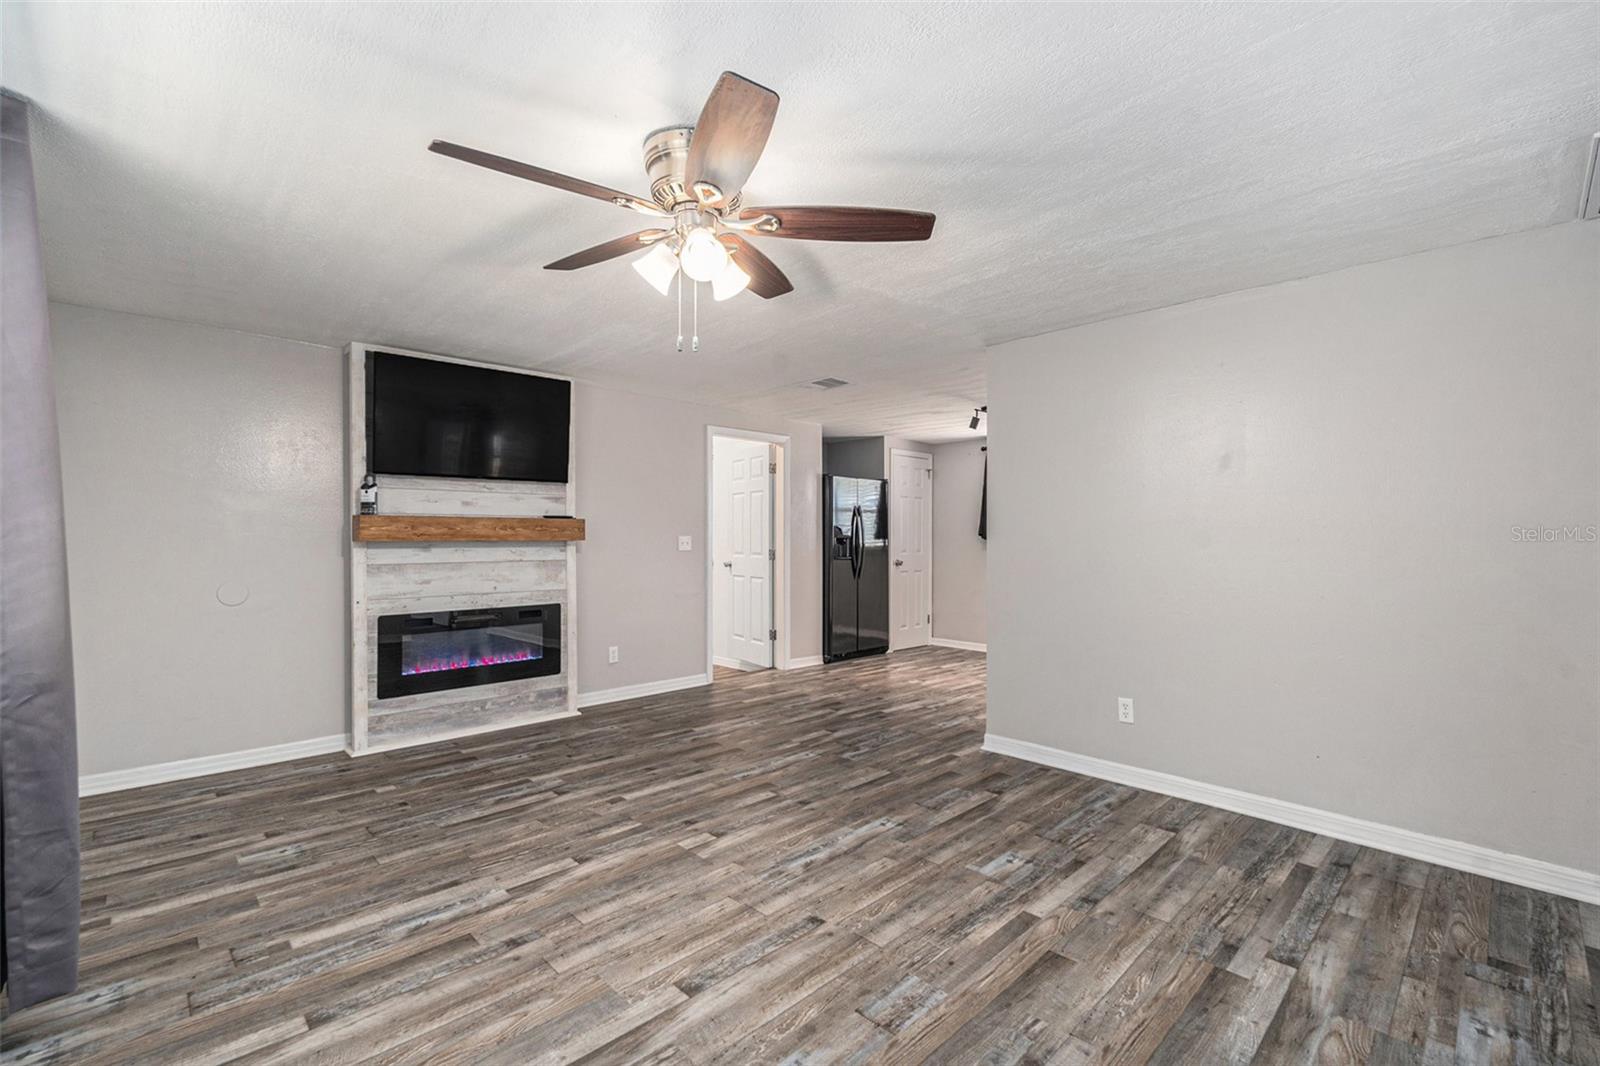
<point x="983" y="508"/>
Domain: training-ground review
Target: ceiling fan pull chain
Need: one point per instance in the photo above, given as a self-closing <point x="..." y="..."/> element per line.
<point x="695" y="347"/>
<point x="679" y="279"/>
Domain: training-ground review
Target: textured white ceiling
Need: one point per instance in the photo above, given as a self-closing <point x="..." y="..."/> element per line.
<point x="263" y="167"/>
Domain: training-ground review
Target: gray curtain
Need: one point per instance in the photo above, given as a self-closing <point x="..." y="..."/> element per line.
<point x="38" y="727"/>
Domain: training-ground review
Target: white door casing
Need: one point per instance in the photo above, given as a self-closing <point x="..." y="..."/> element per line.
<point x="910" y="549"/>
<point x="745" y="556"/>
<point x="719" y="537"/>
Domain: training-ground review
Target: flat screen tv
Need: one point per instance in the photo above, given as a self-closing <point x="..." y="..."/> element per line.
<point x="439" y="419"/>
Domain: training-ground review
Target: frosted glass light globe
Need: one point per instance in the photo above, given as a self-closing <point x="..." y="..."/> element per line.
<point x="703" y="256"/>
<point x="730" y="282"/>
<point x="658" y="266"/>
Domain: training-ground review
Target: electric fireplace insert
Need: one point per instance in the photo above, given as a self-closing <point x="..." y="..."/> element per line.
<point x="457" y="649"/>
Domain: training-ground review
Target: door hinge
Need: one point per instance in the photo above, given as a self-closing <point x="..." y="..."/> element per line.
<point x="930" y="619"/>
<point x="772" y="468"/>
<point x="772" y="634"/>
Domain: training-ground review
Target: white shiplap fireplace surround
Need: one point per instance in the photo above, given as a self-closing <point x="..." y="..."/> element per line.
<point x="406" y="578"/>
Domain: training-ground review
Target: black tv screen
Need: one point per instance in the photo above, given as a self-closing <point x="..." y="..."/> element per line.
<point x="439" y="419"/>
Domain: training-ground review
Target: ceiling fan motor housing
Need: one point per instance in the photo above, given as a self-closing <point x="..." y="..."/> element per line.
<point x="666" y="153"/>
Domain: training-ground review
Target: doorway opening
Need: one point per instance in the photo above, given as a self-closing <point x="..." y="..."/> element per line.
<point x="746" y="586"/>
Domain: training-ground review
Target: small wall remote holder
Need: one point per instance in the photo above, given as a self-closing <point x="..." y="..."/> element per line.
<point x="369" y="495"/>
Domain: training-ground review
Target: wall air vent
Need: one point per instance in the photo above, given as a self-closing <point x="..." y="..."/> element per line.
<point x="827" y="383"/>
<point x="1591" y="183"/>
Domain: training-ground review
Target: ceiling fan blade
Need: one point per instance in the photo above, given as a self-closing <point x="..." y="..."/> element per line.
<point x="728" y="139"/>
<point x="633" y="242"/>
<point x="766" y="280"/>
<point x="843" y="223"/>
<point x="545" y="177"/>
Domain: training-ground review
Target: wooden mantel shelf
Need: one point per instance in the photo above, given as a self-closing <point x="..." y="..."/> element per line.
<point x="409" y="527"/>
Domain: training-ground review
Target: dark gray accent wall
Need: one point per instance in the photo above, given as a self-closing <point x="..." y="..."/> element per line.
<point x="854" y="457"/>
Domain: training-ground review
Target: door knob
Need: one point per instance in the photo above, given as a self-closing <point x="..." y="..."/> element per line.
<point x="728" y="565"/>
<point x="899" y="562"/>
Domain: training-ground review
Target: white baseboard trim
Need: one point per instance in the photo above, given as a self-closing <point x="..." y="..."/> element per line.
<point x="735" y="664"/>
<point x="1457" y="855"/>
<point x="802" y="661"/>
<point x="633" y="692"/>
<point x="182" y="769"/>
<point x="962" y="645"/>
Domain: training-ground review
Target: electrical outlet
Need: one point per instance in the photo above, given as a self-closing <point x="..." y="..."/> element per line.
<point x="612" y="654"/>
<point x="686" y="544"/>
<point x="1124" y="710"/>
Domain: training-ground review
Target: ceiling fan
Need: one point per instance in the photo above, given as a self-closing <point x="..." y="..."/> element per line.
<point x="697" y="174"/>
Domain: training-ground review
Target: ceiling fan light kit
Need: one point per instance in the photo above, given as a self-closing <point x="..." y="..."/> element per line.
<point x="697" y="175"/>
<point x="702" y="256"/>
<point x="729" y="282"/>
<point x="659" y="266"/>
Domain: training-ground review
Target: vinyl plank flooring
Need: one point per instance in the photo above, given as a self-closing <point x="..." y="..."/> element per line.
<point x="812" y="866"/>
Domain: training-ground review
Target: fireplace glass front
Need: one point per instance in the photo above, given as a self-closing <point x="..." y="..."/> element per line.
<point x="456" y="649"/>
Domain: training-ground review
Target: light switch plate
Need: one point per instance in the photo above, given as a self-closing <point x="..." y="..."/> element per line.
<point x="686" y="544"/>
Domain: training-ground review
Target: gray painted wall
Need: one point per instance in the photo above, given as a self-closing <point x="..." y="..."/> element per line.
<point x="960" y="556"/>
<point x="642" y="482"/>
<point x="1284" y="522"/>
<point x="195" y="457"/>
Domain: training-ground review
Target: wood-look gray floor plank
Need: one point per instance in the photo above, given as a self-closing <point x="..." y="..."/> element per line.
<point x="814" y="866"/>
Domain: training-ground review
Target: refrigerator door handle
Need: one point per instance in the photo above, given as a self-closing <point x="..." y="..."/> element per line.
<point x="853" y="552"/>
<point x="858" y="538"/>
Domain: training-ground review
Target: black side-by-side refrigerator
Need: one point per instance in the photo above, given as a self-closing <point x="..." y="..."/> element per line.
<point x="855" y="567"/>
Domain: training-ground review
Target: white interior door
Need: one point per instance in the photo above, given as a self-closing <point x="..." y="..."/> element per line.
<point x="910" y="549"/>
<point x="744" y="549"/>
